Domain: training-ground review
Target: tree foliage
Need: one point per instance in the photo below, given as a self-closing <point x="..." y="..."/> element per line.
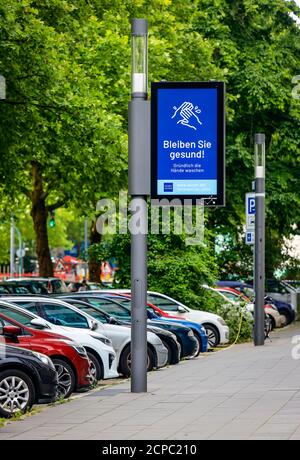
<point x="63" y="125"/>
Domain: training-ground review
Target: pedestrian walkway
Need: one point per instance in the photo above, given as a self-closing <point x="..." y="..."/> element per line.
<point x="239" y="393"/>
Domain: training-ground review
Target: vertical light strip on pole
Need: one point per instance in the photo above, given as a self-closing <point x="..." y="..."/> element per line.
<point x="12" y="247"/>
<point x="20" y="250"/>
<point x="139" y="189"/>
<point x="259" y="280"/>
<point x="86" y="222"/>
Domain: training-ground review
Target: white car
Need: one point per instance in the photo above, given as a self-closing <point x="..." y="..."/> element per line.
<point x="63" y="314"/>
<point x="98" y="347"/>
<point x="215" y="326"/>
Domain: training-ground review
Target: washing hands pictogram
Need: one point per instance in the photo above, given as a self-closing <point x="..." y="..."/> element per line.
<point x="188" y="114"/>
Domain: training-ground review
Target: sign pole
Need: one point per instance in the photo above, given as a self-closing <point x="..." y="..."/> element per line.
<point x="139" y="189"/>
<point x="259" y="280"/>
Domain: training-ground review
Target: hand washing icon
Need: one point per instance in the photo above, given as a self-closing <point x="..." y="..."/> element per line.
<point x="188" y="115"/>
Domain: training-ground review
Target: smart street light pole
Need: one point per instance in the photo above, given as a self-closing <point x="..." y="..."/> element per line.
<point x="259" y="281"/>
<point x="139" y="189"/>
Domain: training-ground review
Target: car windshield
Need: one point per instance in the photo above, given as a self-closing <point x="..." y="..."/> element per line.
<point x="111" y="308"/>
<point x="20" y="317"/>
<point x="98" y="315"/>
<point x="61" y="315"/>
<point x="163" y="303"/>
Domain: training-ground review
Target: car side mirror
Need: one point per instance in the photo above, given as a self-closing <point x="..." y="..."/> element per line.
<point x="39" y="323"/>
<point x="94" y="326"/>
<point x="12" y="332"/>
<point x="112" y="320"/>
<point x="181" y="309"/>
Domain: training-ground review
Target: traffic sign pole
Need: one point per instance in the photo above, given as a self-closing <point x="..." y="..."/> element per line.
<point x="259" y="279"/>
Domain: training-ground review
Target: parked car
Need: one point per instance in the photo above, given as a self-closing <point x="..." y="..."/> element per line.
<point x="98" y="347"/>
<point x="12" y="288"/>
<point x="158" y="315"/>
<point x="216" y="328"/>
<point x="189" y="346"/>
<point x="63" y="314"/>
<point x="235" y="296"/>
<point x="39" y="285"/>
<point x="69" y="358"/>
<point x="283" y="308"/>
<point x="25" y="378"/>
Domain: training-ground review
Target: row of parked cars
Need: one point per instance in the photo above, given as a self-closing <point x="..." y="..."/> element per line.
<point x="54" y="342"/>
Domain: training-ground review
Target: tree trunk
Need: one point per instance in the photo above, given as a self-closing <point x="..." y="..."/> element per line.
<point x="94" y="264"/>
<point x="39" y="214"/>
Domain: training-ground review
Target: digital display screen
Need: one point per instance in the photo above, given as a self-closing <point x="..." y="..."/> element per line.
<point x="188" y="141"/>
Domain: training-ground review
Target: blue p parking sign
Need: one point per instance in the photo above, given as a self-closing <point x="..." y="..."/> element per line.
<point x="251" y="205"/>
<point x="250" y="212"/>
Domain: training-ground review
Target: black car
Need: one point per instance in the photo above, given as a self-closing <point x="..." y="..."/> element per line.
<point x="25" y="378"/>
<point x="188" y="343"/>
<point x="38" y="285"/>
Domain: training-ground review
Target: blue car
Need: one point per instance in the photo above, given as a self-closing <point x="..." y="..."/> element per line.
<point x="197" y="329"/>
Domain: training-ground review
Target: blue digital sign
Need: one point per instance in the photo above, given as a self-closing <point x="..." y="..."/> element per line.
<point x="188" y="141"/>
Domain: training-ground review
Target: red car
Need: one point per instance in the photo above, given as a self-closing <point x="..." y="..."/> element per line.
<point x="70" y="359"/>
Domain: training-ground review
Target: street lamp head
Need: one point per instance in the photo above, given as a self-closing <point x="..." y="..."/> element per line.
<point x="139" y="64"/>
<point x="260" y="154"/>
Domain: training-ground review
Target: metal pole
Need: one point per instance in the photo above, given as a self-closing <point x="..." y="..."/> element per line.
<point x="12" y="247"/>
<point x="259" y="312"/>
<point x="20" y="250"/>
<point x="139" y="188"/>
<point x="86" y="223"/>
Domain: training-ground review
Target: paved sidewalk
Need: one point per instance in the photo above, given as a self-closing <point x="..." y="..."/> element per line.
<point x="239" y="393"/>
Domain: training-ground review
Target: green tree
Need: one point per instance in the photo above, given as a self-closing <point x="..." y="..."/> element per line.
<point x="256" y="43"/>
<point x="59" y="138"/>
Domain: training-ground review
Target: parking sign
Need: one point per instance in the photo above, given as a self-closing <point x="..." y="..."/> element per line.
<point x="250" y="211"/>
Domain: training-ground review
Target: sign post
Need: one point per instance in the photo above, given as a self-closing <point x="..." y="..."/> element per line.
<point x="139" y="189"/>
<point x="259" y="270"/>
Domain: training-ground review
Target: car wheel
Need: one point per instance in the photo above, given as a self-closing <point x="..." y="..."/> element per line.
<point x="17" y="392"/>
<point x="273" y="322"/>
<point x="213" y="336"/>
<point x="125" y="361"/>
<point x="96" y="369"/>
<point x="198" y="347"/>
<point x="66" y="378"/>
<point x="285" y="318"/>
<point x="169" y="352"/>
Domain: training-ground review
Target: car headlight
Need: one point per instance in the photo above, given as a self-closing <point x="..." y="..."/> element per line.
<point x="80" y="350"/>
<point x="44" y="359"/>
<point x="191" y="333"/>
<point x="104" y="340"/>
<point x="221" y="321"/>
